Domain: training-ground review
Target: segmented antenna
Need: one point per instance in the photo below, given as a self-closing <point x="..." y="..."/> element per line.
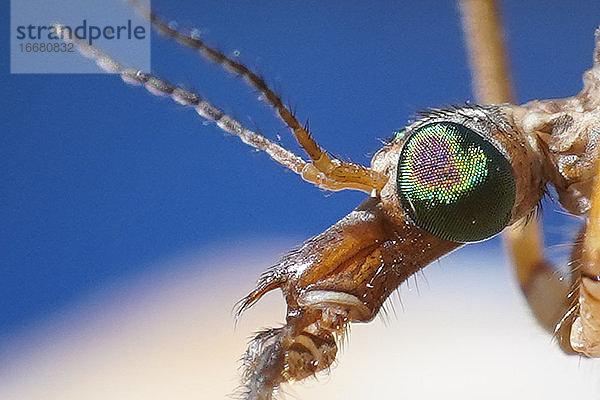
<point x="325" y="172"/>
<point x="205" y="109"/>
<point x="328" y="173"/>
<point x="308" y="143"/>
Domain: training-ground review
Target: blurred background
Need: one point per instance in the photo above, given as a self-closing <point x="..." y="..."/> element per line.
<point x="130" y="227"/>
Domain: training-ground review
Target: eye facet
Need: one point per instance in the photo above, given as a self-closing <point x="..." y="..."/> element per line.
<point x="454" y="183"/>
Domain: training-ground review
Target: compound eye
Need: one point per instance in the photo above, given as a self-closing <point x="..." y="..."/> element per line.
<point x="454" y="183"/>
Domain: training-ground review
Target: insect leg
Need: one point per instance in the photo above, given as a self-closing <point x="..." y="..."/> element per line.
<point x="585" y="332"/>
<point x="324" y="171"/>
<point x="569" y="127"/>
<point x="545" y="291"/>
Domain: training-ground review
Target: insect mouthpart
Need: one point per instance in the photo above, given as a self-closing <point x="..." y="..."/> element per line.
<point x="340" y="276"/>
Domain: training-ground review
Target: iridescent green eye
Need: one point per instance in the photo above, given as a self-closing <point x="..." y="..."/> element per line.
<point x="454" y="183"/>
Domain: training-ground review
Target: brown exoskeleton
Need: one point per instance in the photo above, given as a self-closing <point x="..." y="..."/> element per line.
<point x="345" y="274"/>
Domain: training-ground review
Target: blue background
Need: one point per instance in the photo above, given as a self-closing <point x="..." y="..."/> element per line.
<point x="100" y="180"/>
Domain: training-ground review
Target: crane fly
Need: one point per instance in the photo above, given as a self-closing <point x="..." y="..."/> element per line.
<point x="454" y="176"/>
